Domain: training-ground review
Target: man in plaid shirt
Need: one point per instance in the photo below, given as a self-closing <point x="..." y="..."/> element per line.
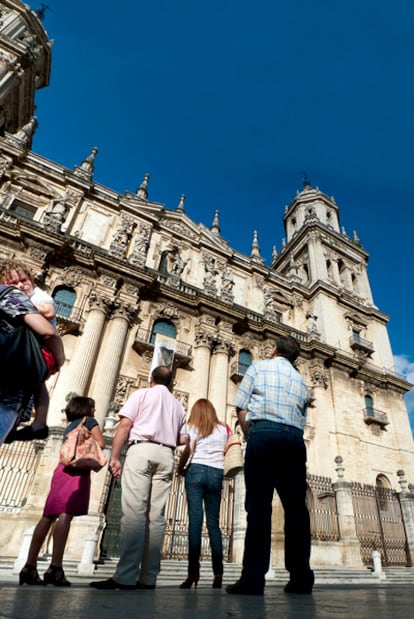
<point x="271" y="405"/>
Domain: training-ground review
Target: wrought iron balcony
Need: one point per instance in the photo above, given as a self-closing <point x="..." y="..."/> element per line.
<point x="183" y="351"/>
<point x="358" y="344"/>
<point x="68" y="317"/>
<point x="372" y="415"/>
<point x="237" y="371"/>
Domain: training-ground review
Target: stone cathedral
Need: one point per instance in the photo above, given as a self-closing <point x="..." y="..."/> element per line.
<point x="125" y="271"/>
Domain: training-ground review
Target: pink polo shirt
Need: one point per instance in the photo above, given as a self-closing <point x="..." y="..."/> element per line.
<point x="156" y="415"/>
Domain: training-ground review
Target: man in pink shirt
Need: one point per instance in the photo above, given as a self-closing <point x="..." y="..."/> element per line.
<point x="154" y="423"/>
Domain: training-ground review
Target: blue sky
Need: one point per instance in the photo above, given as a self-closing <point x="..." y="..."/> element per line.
<point x="229" y="102"/>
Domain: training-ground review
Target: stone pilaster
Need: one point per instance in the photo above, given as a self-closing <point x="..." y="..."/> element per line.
<point x="407" y="509"/>
<point x="350" y="546"/>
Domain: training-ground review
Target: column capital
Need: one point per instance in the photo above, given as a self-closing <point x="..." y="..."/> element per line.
<point x="223" y="346"/>
<point x="203" y="339"/>
<point x="98" y="301"/>
<point x="125" y="311"/>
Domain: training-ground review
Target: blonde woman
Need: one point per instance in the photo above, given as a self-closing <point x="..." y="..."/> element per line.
<point x="203" y="485"/>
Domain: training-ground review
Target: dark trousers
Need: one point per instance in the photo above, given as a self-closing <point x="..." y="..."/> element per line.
<point x="203" y="484"/>
<point x="275" y="460"/>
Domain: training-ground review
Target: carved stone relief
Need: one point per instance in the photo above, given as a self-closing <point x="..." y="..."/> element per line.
<point x="73" y="276"/>
<point x="123" y="388"/>
<point x="318" y="374"/>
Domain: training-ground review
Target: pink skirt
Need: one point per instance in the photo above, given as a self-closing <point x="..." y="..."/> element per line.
<point x="69" y="492"/>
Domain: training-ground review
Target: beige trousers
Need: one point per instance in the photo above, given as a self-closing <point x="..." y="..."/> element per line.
<point x="145" y="482"/>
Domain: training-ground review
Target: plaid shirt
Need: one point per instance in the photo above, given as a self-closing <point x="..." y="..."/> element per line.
<point x="273" y="390"/>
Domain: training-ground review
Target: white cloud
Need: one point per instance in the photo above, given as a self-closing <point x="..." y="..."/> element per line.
<point x="404" y="366"/>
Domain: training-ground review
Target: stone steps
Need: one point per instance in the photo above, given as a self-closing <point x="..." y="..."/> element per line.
<point x="173" y="572"/>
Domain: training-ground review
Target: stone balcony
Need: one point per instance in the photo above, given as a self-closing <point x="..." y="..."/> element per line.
<point x="183" y="351"/>
<point x="68" y="317"/>
<point x="372" y="415"/>
<point x="359" y="345"/>
<point x="237" y="371"/>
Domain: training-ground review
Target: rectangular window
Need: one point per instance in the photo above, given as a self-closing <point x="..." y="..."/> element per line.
<point x="23" y="210"/>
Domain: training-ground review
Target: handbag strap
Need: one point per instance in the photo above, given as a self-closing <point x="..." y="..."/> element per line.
<point x="229" y="430"/>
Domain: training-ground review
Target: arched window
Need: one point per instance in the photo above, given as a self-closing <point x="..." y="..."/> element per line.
<point x="245" y="359"/>
<point x="383" y="490"/>
<point x="382" y="481"/>
<point x="164" y="327"/>
<point x="65" y="298"/>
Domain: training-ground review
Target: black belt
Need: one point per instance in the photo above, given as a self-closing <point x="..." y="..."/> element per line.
<point x="153" y="442"/>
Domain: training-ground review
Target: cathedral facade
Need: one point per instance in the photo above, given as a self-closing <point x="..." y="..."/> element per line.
<point x="133" y="279"/>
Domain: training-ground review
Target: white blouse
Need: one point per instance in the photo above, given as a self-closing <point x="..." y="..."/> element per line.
<point x="209" y="450"/>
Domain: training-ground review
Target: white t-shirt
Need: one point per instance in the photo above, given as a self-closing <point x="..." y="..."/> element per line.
<point x="209" y="450"/>
<point x="40" y="296"/>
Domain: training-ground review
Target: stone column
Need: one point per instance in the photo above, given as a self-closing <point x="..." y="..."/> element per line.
<point x="10" y="73"/>
<point x="407" y="510"/>
<point x="349" y="542"/>
<point x="317" y="262"/>
<point x="201" y="364"/>
<point x="335" y="271"/>
<point x="218" y="383"/>
<point x="347" y="278"/>
<point x="84" y="358"/>
<point x="364" y="287"/>
<point x="109" y="361"/>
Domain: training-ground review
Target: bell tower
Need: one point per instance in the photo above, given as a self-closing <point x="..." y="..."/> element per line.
<point x="318" y="250"/>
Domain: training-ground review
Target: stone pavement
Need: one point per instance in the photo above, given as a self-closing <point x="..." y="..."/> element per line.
<point x="375" y="601"/>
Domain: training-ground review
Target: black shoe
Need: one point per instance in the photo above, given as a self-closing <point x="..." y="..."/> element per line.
<point x="300" y="586"/>
<point x="28" y="434"/>
<point x="142" y="586"/>
<point x="29" y="576"/>
<point x="240" y="588"/>
<point x="55" y="576"/>
<point x="111" y="584"/>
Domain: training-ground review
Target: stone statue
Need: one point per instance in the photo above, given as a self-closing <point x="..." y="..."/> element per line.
<point x="141" y="242"/>
<point x="227" y="281"/>
<point x="58" y="208"/>
<point x="178" y="264"/>
<point x="211" y="272"/>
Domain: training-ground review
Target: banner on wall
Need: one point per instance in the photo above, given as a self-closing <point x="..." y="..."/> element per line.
<point x="164" y="351"/>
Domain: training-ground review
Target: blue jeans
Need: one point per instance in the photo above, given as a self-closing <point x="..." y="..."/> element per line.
<point x="204" y="484"/>
<point x="275" y="459"/>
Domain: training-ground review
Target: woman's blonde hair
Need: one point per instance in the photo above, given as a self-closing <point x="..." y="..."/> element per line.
<point x="203" y="416"/>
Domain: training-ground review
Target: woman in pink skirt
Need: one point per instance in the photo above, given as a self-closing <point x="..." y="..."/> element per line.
<point x="68" y="497"/>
